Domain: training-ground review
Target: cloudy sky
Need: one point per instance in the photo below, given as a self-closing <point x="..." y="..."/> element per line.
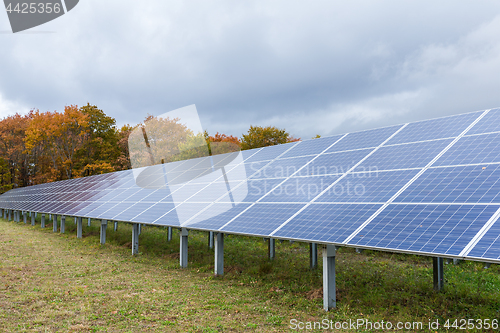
<point x="315" y="67"/>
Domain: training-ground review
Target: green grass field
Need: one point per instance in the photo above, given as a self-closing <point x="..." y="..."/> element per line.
<point x="52" y="282"/>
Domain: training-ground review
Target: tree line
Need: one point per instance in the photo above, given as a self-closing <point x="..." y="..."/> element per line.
<point x="42" y="147"/>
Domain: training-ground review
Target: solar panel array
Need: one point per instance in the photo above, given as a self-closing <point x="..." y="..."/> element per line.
<point x="430" y="187"/>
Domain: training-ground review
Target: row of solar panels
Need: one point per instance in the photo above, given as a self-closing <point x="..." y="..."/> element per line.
<point x="429" y="187"/>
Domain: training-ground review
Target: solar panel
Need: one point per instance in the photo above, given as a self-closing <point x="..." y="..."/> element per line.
<point x="490" y="123"/>
<point x="330" y="223"/>
<point x="437" y="229"/>
<point x="464" y="184"/>
<point x="368" y="186"/>
<point x="430" y="187"/>
<point x="261" y="218"/>
<point x="473" y="150"/>
<point x="447" y="127"/>
<point x="364" y="139"/>
<point x="489" y="245"/>
<point x="411" y="155"/>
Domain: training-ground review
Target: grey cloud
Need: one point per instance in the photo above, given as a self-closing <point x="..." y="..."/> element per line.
<point x="321" y="67"/>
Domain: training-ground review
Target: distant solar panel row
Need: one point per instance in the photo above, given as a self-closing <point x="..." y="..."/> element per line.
<point x="430" y="187"/>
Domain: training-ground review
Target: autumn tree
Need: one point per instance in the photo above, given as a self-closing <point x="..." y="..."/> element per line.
<point x="60" y="136"/>
<point x="222" y="143"/>
<point x="123" y="160"/>
<point x="14" y="165"/>
<point x="99" y="151"/>
<point x="163" y="140"/>
<point x="258" y="136"/>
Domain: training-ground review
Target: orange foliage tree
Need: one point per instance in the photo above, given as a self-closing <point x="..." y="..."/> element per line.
<point x="58" y="136"/>
<point x="13" y="158"/>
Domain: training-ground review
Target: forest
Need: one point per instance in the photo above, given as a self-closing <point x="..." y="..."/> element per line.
<point x="42" y="147"/>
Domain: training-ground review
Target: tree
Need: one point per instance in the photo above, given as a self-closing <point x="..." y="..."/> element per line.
<point x="258" y="136"/>
<point x="99" y="151"/>
<point x="222" y="143"/>
<point x="162" y="140"/>
<point x="59" y="136"/>
<point x="15" y="167"/>
<point x="123" y="160"/>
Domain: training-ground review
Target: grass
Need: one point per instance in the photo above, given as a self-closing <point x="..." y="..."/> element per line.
<point x="52" y="282"/>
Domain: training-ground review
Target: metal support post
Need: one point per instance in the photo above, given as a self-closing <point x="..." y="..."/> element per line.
<point x="438" y="271"/>
<point x="54" y="223"/>
<point x="210" y="239"/>
<point x="169" y="234"/>
<point x="88" y="222"/>
<point x="219" y="254"/>
<point x="116" y="225"/>
<point x="271" y="248"/>
<point x="104" y="226"/>
<point x="313" y="255"/>
<point x="75" y="220"/>
<point x="25" y="217"/>
<point x="456" y="261"/>
<point x="10" y="214"/>
<point x="183" y="256"/>
<point x="43" y="221"/>
<point x="63" y="224"/>
<point x="329" y="291"/>
<point x="32" y="219"/>
<point x="358" y="250"/>
<point x="140" y="228"/>
<point x="135" y="238"/>
<point x="79" y="228"/>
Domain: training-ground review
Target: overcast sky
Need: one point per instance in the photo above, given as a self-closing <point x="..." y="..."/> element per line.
<point x="311" y="67"/>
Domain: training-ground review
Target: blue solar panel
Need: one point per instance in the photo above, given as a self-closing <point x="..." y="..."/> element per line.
<point x="412" y="155"/>
<point x="216" y="215"/>
<point x="327" y="222"/>
<point x="447" y="127"/>
<point x="244" y="171"/>
<point x="255" y="189"/>
<point x="105" y="207"/>
<point x="212" y="192"/>
<point x="465" y="184"/>
<point x="311" y="147"/>
<point x="125" y="211"/>
<point x="489" y="123"/>
<point x="109" y="210"/>
<point x="154" y="212"/>
<point x="473" y="150"/>
<point x="364" y="139"/>
<point x="269" y="153"/>
<point x="489" y="245"/>
<point x="261" y="219"/>
<point x="300" y="189"/>
<point x="282" y="167"/>
<point x="367" y="187"/>
<point x="334" y="163"/>
<point x="439" y="229"/>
